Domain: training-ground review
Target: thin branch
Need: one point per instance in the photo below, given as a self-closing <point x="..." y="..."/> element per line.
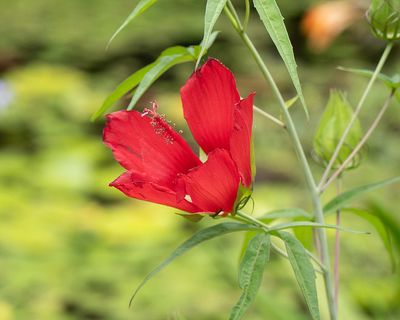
<point x="247" y="15"/>
<point x="270" y="117"/>
<point x="234" y="13"/>
<point x="336" y="264"/>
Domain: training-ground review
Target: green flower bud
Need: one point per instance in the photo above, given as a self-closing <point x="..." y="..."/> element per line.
<point x="333" y="123"/>
<point x="384" y="18"/>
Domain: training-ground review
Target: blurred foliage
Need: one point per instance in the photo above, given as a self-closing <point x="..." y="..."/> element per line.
<point x="72" y="248"/>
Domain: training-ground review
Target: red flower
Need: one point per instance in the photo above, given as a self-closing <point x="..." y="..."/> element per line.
<point x="162" y="168"/>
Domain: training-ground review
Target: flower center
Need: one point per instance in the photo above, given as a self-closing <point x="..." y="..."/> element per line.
<point x="160" y="125"/>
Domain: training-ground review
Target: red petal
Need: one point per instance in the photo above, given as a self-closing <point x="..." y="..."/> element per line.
<point x="213" y="185"/>
<point x="135" y="185"/>
<point x="240" y="144"/>
<point x="149" y="146"/>
<point x="209" y="98"/>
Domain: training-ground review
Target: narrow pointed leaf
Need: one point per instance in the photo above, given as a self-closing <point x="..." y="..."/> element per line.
<point x="303" y="270"/>
<point x="206" y="44"/>
<point x="389" y="220"/>
<point x="344" y="198"/>
<point x="306" y="236"/>
<point x="199" y="237"/>
<point x="390" y="82"/>
<point x="123" y="88"/>
<point x="247" y="237"/>
<point x="251" y="271"/>
<point x="291" y="101"/>
<point x="382" y="230"/>
<point x="160" y="67"/>
<point x="272" y="18"/>
<point x="169" y="58"/>
<point x="141" y="7"/>
<point x="213" y="11"/>
<point x="183" y="53"/>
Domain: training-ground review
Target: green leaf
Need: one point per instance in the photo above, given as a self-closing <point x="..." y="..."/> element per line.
<point x="160" y="67"/>
<point x="141" y="7"/>
<point x="303" y="270"/>
<point x="180" y="54"/>
<point x="206" y="43"/>
<point x="251" y="271"/>
<point x="342" y="199"/>
<point x="390" y="82"/>
<point x="388" y="220"/>
<point x="291" y="101"/>
<point x="197" y="238"/>
<point x="125" y="86"/>
<point x="382" y="230"/>
<point x="272" y="18"/>
<point x="171" y="56"/>
<point x="213" y="11"/>
<point x="247" y="237"/>
<point x="287" y="213"/>
<point x="305" y="236"/>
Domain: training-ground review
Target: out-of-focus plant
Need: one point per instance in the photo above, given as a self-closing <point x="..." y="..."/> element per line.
<point x="324" y="21"/>
<point x="161" y="168"/>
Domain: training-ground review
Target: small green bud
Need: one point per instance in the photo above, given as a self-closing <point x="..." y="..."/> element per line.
<point x="333" y="123"/>
<point x="384" y="18"/>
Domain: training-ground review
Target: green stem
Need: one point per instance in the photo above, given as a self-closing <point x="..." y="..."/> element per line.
<point x="270" y="117"/>
<point x="231" y="8"/>
<point x="336" y="262"/>
<point x="378" y="69"/>
<point x="319" y="216"/>
<point x="231" y="18"/>
<point x="252" y="220"/>
<point x="247" y="15"/>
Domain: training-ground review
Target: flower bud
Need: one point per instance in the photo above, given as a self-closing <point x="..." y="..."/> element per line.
<point x="333" y="123"/>
<point x="384" y="18"/>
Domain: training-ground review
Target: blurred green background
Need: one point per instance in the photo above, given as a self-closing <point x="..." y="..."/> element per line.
<point x="73" y="248"/>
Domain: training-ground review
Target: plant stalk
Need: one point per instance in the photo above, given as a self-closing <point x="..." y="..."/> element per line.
<point x="336" y="263"/>
<point x="270" y="117"/>
<point x="247" y="15"/>
<point x="319" y="216"/>
<point x="378" y="69"/>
